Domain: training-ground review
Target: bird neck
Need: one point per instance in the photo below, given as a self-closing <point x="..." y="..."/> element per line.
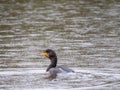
<point x="53" y="64"/>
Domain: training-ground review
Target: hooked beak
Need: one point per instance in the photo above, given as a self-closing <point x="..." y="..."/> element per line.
<point x="45" y="54"/>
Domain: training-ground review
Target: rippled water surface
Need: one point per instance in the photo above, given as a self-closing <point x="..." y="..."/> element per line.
<point x="84" y="33"/>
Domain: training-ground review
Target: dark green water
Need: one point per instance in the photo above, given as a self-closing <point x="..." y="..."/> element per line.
<point x="84" y="33"/>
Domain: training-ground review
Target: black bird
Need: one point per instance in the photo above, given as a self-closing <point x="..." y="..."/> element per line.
<point x="53" y="69"/>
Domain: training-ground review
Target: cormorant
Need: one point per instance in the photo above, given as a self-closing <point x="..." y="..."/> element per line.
<point x="53" y="69"/>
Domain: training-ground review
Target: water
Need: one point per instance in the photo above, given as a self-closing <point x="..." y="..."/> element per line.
<point x="84" y="33"/>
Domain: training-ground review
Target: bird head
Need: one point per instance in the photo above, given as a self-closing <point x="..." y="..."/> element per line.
<point x="49" y="53"/>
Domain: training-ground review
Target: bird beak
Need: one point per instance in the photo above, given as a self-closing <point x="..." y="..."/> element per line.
<point x="45" y="54"/>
